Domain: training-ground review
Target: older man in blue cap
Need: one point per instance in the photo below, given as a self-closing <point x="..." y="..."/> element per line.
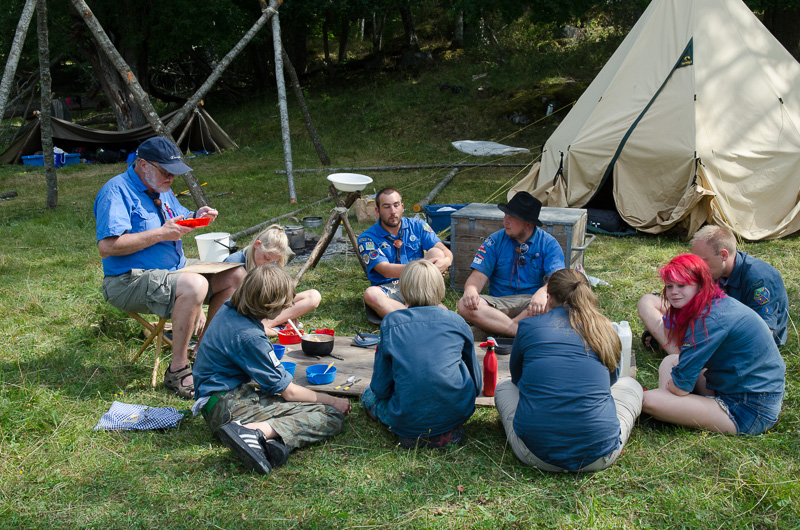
<point x="516" y="261"/>
<point x="139" y="239"/>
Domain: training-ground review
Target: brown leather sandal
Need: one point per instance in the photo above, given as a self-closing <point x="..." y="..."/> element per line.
<point x="174" y="382"/>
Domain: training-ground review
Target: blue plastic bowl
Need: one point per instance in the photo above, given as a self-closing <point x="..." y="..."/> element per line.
<point x="316" y="377"/>
<point x="279" y="350"/>
<point x="289" y="367"/>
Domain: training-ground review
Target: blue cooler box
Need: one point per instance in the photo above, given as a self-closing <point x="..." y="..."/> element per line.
<point x="38" y="160"/>
<point x="441" y="220"/>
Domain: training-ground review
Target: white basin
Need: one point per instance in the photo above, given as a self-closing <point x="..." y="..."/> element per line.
<point x="349" y="181"/>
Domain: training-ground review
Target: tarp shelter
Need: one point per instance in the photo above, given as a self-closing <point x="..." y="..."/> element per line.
<point x="693" y="119"/>
<point x="204" y="134"/>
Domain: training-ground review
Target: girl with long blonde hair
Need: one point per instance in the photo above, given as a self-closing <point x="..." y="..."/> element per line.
<point x="271" y="247"/>
<point x="565" y="408"/>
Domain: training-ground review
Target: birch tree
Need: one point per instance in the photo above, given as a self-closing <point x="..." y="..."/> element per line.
<point x="14" y="54"/>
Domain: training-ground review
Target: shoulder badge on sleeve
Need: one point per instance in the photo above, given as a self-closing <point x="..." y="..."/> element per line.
<point x="761" y="295"/>
<point x="426" y="227"/>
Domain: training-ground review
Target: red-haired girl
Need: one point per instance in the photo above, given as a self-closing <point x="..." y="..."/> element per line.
<point x="729" y="375"/>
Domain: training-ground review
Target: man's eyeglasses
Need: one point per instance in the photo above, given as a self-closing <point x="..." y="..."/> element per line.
<point x="161" y="170"/>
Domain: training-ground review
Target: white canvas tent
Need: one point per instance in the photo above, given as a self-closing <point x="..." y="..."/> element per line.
<point x="695" y="118"/>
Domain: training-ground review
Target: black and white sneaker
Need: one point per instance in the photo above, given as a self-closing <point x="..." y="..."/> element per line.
<point x="277" y="452"/>
<point x="247" y="445"/>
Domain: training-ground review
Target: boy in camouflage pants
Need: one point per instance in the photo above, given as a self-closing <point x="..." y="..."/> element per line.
<point x="262" y="426"/>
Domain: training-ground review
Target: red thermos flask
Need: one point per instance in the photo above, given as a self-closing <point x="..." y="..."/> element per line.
<point x="489" y="369"/>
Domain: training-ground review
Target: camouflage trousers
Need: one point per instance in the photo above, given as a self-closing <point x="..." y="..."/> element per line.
<point x="297" y="423"/>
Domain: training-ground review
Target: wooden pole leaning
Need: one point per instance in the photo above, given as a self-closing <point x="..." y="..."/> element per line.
<point x="338" y="214"/>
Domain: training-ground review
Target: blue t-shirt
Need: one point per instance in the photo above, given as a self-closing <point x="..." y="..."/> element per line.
<point x="234" y="350"/>
<point x="239" y="256"/>
<point x="124" y="206"/>
<point x="759" y="286"/>
<point x="376" y="245"/>
<point x="425" y="365"/>
<point x="566" y="414"/>
<point x="518" y="272"/>
<point x="737" y="348"/>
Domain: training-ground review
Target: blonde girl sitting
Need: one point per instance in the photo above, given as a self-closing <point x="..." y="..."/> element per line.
<point x="271" y="247"/>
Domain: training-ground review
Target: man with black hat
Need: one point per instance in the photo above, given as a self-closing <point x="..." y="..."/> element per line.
<point x="139" y="240"/>
<point x="516" y="261"/>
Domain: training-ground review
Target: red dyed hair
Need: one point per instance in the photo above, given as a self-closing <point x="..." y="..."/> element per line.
<point x="688" y="269"/>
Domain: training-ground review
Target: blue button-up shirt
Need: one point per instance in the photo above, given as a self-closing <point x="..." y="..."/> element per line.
<point x="124" y="206"/>
<point x="376" y="245"/>
<point x="737" y="348"/>
<point x="235" y="349"/>
<point x="518" y="269"/>
<point x="759" y="286"/>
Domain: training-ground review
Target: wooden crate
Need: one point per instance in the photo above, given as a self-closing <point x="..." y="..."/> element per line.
<point x="475" y="222"/>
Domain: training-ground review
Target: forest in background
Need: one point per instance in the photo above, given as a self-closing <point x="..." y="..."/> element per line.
<point x="173" y="46"/>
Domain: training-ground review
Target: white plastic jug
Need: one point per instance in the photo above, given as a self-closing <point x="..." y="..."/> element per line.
<point x="623" y="330"/>
<point x="214" y="246"/>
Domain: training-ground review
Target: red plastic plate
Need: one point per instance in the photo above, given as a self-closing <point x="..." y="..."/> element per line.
<point x="194" y="223"/>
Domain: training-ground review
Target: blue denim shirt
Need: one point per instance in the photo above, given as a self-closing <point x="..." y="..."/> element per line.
<point x="737" y="348"/>
<point x="425" y="365"/>
<point x="124" y="206"/>
<point x="234" y="350"/>
<point x="511" y="272"/>
<point x="566" y="414"/>
<point x="759" y="286"/>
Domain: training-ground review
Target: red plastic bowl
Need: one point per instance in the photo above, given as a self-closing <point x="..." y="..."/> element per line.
<point x="324" y="331"/>
<point x="288" y="336"/>
<point x="194" y="223"/>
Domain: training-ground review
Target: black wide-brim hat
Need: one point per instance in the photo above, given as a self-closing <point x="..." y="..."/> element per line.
<point x="523" y="206"/>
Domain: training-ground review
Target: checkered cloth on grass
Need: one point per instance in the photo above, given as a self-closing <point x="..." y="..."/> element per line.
<point x="126" y="417"/>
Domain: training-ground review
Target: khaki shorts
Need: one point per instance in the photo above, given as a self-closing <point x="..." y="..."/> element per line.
<point x="511" y="305"/>
<point x="145" y="291"/>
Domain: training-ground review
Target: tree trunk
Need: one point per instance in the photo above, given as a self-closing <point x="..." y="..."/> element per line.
<point x="193" y="101"/>
<point x="784" y="24"/>
<point x="123" y="104"/>
<point x="408" y="26"/>
<point x="301" y="101"/>
<point x="326" y="47"/>
<point x="284" y="110"/>
<point x="16" y="51"/>
<point x="125" y="72"/>
<point x="458" y="32"/>
<point x="344" y="37"/>
<point x="378" y="20"/>
<point x="45" y="93"/>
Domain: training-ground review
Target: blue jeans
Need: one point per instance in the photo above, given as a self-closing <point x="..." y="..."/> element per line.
<point x="752" y="413"/>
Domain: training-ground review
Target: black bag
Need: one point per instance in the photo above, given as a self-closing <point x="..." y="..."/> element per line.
<point x="608" y="221"/>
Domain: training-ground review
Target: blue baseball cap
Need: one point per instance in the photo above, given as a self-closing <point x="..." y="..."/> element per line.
<point x="159" y="149"/>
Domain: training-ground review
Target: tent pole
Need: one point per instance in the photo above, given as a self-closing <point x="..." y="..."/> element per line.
<point x="194" y="101"/>
<point x="139" y="94"/>
<point x="204" y="125"/>
<point x="14" y="54"/>
<point x="287" y="143"/>
<point x="185" y="130"/>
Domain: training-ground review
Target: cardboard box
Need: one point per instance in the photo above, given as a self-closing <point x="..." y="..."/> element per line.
<point x="475" y="222"/>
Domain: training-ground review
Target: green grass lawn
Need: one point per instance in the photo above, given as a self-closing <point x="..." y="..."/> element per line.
<point x="64" y="351"/>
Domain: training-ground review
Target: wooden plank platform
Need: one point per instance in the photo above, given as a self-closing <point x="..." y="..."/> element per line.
<point x="358" y="362"/>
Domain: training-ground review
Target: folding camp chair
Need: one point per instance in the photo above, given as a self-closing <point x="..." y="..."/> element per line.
<point x="156" y="332"/>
